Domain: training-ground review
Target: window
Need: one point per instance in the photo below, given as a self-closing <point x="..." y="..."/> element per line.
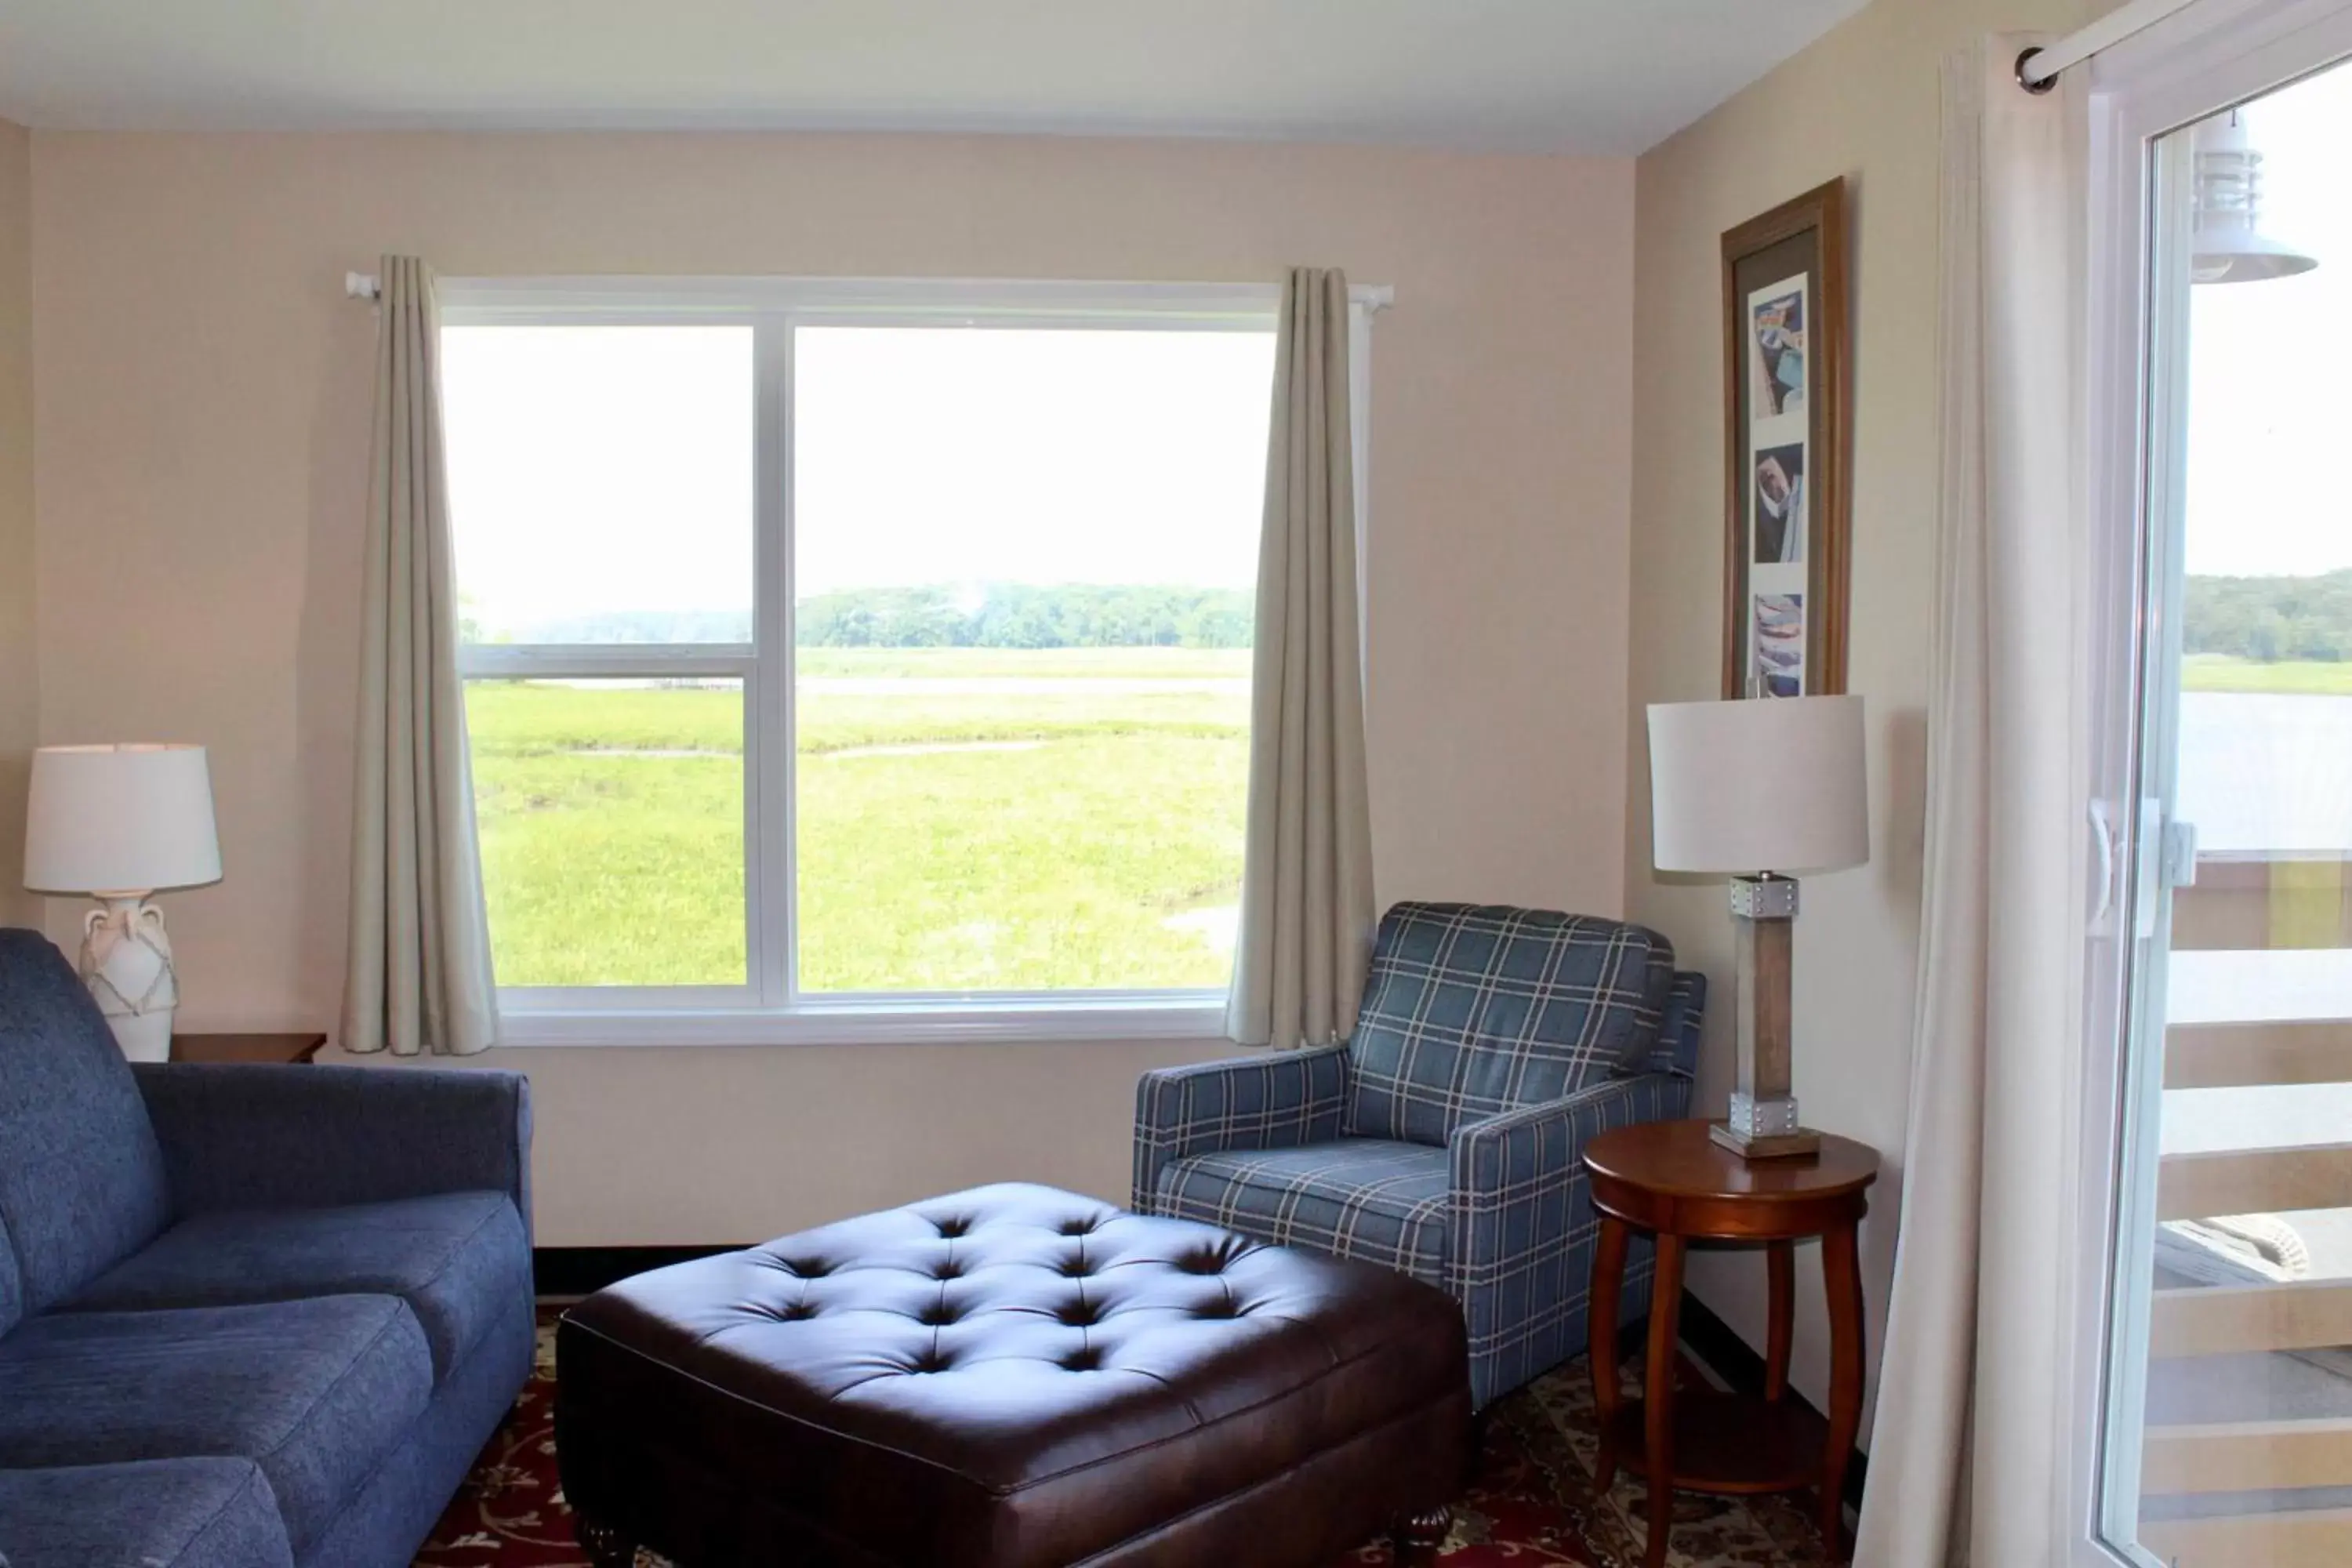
<point x="2218" y="1170"/>
<point x="838" y="651"/>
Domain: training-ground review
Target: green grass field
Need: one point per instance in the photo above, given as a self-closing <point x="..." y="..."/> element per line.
<point x="968" y="819"/>
<point x="2218" y="672"/>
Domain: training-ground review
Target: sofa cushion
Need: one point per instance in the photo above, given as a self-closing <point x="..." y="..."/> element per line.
<point x="153" y="1513"/>
<point x="458" y="1259"/>
<point x="1368" y="1198"/>
<point x="81" y="1177"/>
<point x="317" y="1393"/>
<point x="1473" y="1009"/>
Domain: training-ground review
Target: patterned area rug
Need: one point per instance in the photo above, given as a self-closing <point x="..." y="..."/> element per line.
<point x="1532" y="1504"/>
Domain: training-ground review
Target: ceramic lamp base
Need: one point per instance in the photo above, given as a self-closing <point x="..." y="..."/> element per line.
<point x="126" y="962"/>
<point x="144" y="1037"/>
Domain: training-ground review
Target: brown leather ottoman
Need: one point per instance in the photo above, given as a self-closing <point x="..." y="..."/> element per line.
<point x="1011" y="1377"/>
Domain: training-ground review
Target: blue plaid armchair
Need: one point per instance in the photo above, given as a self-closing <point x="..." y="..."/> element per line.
<point x="1441" y="1139"/>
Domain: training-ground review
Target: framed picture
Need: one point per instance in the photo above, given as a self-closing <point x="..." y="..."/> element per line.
<point x="1784" y="414"/>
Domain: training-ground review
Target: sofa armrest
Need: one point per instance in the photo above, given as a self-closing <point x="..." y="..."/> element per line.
<point x="1275" y="1100"/>
<point x="1513" y="1174"/>
<point x="255" y="1136"/>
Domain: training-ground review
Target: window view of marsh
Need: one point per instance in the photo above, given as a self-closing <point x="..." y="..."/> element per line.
<point x="1021" y="568"/>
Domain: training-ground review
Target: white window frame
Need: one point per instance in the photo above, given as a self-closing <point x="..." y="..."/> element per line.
<point x="769" y="1008"/>
<point x="2198" y="61"/>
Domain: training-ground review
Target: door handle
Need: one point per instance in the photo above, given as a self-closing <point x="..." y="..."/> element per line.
<point x="2102" y="843"/>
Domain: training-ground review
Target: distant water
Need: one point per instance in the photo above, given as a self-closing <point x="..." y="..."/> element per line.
<point x="2266" y="771"/>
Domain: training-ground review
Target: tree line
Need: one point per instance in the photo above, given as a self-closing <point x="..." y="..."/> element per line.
<point x="2270" y="618"/>
<point x="1069" y="614"/>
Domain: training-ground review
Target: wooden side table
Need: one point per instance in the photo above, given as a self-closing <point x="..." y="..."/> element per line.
<point x="298" y="1046"/>
<point x="1670" y="1178"/>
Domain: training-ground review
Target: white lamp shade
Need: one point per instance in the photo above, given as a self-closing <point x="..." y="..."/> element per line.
<point x="120" y="819"/>
<point x="1768" y="784"/>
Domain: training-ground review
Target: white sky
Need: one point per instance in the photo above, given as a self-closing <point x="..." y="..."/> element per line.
<point x="2270" y="365"/>
<point x="606" y="469"/>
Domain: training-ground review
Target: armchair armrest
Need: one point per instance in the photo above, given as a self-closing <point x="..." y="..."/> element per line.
<point x="1275" y="1099"/>
<point x="1513" y="1173"/>
<point x="1500" y="1153"/>
<point x="238" y="1136"/>
<point x="1522" y="1233"/>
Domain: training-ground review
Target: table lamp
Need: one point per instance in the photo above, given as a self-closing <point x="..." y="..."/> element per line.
<point x="1757" y="789"/>
<point x="120" y="823"/>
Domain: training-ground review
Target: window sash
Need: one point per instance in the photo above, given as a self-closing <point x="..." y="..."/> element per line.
<point x="2198" y="61"/>
<point x="770" y="1007"/>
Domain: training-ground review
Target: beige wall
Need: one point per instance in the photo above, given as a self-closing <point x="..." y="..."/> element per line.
<point x="19" y="711"/>
<point x="1863" y="102"/>
<point x="202" y="423"/>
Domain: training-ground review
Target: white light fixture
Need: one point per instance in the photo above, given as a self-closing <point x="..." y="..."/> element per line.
<point x="2228" y="245"/>
<point x="120" y="822"/>
<point x="1756" y="789"/>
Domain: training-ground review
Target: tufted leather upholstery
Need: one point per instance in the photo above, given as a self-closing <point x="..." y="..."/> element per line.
<point x="1011" y="1375"/>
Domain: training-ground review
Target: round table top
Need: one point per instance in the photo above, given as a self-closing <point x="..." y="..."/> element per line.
<point x="1678" y="1159"/>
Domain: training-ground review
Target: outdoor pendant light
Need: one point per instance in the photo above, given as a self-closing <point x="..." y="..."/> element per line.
<point x="2229" y="246"/>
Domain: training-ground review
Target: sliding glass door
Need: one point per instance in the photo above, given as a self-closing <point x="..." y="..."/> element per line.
<point x="2225" y="1431"/>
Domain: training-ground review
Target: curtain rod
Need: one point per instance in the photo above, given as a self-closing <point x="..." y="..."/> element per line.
<point x="2038" y="68"/>
<point x="1373" y="298"/>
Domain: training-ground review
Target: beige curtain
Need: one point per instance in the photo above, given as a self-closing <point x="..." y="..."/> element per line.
<point x="1968" y="1458"/>
<point x="419" y="974"/>
<point x="1306" y="883"/>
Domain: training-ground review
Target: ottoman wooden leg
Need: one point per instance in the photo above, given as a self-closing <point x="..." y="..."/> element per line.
<point x="603" y="1544"/>
<point x="1418" y="1538"/>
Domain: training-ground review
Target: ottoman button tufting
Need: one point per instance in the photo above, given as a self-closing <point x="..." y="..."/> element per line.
<point x="701" y="1441"/>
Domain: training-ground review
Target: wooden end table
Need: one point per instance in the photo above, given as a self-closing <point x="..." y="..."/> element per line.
<point x="296" y="1045"/>
<point x="1670" y="1178"/>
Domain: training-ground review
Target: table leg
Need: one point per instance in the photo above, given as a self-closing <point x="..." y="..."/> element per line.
<point x="1842" y="1273"/>
<point x="1600" y="1346"/>
<point x="1658" y="1395"/>
<point x="1780" y="1267"/>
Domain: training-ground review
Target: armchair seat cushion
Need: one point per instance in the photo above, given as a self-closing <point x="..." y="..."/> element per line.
<point x="319" y="1394"/>
<point x="458" y="1259"/>
<point x="1369" y="1198"/>
<point x="155" y="1513"/>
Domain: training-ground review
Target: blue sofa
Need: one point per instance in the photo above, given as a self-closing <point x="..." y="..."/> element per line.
<point x="250" y="1317"/>
<point x="1443" y="1139"/>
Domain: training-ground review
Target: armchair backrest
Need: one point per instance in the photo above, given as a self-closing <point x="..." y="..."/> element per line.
<point x="1676" y="1052"/>
<point x="1473" y="1009"/>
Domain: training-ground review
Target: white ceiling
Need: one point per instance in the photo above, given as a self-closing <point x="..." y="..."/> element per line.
<point x="1581" y="75"/>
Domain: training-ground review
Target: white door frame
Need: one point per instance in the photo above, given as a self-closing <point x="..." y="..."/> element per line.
<point x="2202" y="60"/>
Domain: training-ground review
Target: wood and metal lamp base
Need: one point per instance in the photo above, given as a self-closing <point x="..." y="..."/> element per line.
<point x="1771" y="1146"/>
<point x="1763" y="1124"/>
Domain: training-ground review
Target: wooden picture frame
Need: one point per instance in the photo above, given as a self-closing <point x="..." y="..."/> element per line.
<point x="1785" y="526"/>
